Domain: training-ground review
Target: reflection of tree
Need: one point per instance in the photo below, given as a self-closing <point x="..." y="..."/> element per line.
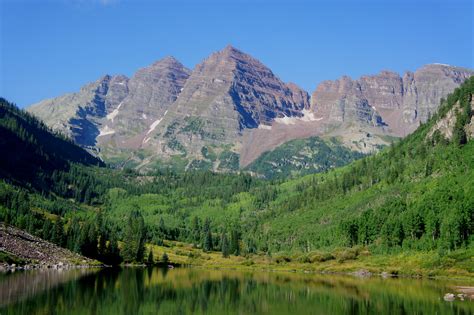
<point x="194" y="291"/>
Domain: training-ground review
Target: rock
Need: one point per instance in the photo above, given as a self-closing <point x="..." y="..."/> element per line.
<point x="449" y="297"/>
<point x="401" y="103"/>
<point x="363" y="273"/>
<point x="30" y="248"/>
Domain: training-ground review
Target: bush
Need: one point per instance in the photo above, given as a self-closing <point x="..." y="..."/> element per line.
<point x="282" y="258"/>
<point x="304" y="259"/>
<point x="347" y="254"/>
<point x="322" y="257"/>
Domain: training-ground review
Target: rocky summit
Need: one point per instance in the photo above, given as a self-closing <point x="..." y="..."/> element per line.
<point x="231" y="108"/>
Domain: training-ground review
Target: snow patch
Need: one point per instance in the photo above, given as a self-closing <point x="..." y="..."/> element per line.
<point x="286" y="120"/>
<point x="155" y="124"/>
<point x="307" y="116"/>
<point x="114" y="113"/>
<point x="146" y="140"/>
<point x="442" y="64"/>
<point x="105" y="131"/>
<point x="144" y="116"/>
<point x="266" y="127"/>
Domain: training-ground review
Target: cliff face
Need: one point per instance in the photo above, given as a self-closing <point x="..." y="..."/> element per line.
<point x="386" y="99"/>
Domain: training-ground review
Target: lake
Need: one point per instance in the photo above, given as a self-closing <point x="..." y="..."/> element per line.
<point x="202" y="291"/>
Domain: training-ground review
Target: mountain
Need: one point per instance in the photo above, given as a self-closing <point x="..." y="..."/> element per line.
<point x="32" y="152"/>
<point x="115" y="113"/>
<point x="228" y="93"/>
<point x="230" y="109"/>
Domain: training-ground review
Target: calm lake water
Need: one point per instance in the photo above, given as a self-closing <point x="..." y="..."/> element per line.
<point x="196" y="291"/>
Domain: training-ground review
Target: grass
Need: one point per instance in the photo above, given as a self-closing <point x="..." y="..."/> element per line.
<point x="457" y="264"/>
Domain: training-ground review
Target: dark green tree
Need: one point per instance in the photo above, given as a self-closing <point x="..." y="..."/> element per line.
<point x="134" y="238"/>
<point x="150" y="260"/>
<point x="224" y="245"/>
<point x="164" y="258"/>
<point x="58" y="232"/>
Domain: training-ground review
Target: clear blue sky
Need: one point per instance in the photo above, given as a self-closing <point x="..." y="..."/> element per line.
<point x="52" y="47"/>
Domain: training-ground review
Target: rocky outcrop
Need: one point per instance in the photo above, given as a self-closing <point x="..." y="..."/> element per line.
<point x="32" y="249"/>
<point x="387" y="100"/>
<point x="78" y="115"/>
<point x="470" y="125"/>
<point x="445" y="125"/>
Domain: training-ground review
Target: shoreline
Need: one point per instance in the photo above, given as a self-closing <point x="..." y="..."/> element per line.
<point x="360" y="273"/>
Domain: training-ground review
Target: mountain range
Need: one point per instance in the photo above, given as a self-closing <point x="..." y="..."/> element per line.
<point x="230" y="109"/>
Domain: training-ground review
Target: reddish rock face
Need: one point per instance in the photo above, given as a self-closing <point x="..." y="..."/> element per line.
<point x="387" y="99"/>
<point x="233" y="86"/>
<point x="345" y="100"/>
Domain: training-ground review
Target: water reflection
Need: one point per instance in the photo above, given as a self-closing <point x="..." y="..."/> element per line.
<point x="196" y="291"/>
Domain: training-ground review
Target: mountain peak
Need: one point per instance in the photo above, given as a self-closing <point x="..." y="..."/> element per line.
<point x="167" y="61"/>
<point x="230" y="48"/>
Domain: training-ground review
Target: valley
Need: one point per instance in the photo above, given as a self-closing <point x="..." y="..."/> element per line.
<point x="393" y="204"/>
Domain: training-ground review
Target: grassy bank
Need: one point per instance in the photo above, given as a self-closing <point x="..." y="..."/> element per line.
<point x="457" y="264"/>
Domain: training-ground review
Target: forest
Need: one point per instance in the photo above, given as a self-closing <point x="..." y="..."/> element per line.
<point x="415" y="196"/>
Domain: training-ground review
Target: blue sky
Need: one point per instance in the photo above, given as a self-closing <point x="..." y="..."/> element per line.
<point x="52" y="47"/>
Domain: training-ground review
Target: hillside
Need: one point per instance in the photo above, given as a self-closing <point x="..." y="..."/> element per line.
<point x="31" y="152"/>
<point x="302" y="157"/>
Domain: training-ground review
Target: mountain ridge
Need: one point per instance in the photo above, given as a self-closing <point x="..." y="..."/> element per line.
<point x="167" y="115"/>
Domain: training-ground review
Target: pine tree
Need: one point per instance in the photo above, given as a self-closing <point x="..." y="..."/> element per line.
<point x="58" y="232"/>
<point x="150" y="260"/>
<point x="164" y="258"/>
<point x="46" y="230"/>
<point x="208" y="245"/>
<point x="134" y="242"/>
<point x="224" y="245"/>
<point x="235" y="242"/>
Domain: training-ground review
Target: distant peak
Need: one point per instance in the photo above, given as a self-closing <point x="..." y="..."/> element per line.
<point x="440" y="64"/>
<point x="168" y="60"/>
<point x="230" y="48"/>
